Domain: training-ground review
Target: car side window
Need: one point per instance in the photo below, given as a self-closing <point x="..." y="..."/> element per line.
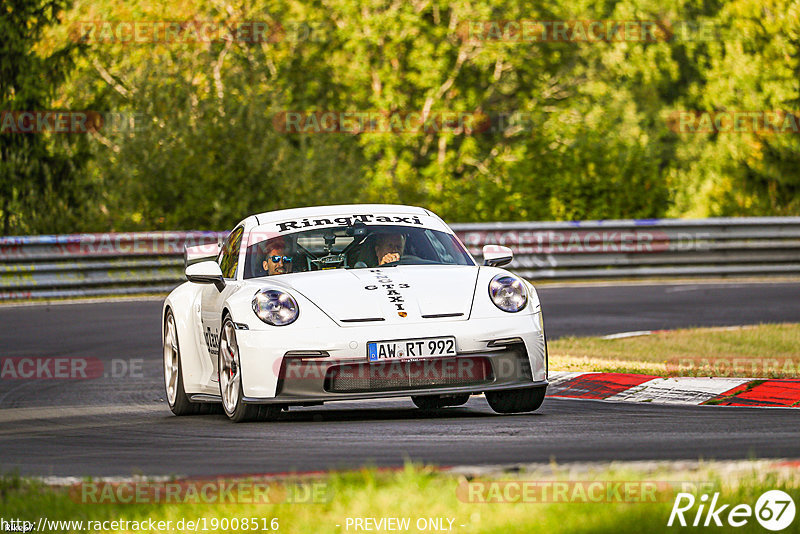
<point x="229" y="257"/>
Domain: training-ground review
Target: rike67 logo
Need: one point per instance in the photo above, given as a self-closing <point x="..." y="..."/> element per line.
<point x="774" y="510"/>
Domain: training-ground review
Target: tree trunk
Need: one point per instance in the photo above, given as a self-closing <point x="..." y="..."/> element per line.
<point x="5" y="215"/>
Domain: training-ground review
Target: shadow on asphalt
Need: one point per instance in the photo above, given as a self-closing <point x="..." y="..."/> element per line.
<point x="350" y="415"/>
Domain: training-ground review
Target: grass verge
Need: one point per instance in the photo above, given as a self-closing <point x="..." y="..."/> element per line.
<point x="601" y="500"/>
<point x="761" y="351"/>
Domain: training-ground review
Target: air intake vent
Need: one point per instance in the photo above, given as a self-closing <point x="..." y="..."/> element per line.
<point x="416" y="374"/>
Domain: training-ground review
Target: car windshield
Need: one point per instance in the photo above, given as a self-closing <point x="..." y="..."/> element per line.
<point x="359" y="246"/>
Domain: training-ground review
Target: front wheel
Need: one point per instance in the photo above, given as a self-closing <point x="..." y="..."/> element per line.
<point x="230" y="381"/>
<point x="516" y="400"/>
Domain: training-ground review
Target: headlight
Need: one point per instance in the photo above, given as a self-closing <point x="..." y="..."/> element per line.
<point x="508" y="293"/>
<point x="275" y="307"/>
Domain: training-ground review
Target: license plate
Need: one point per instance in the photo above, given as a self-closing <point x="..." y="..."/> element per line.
<point x="403" y="349"/>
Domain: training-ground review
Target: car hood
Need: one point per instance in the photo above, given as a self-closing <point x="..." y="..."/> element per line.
<point x="402" y="294"/>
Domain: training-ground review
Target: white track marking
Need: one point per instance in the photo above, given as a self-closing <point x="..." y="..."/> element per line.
<point x="622" y="335"/>
<point x="685" y="390"/>
<point x="556" y="379"/>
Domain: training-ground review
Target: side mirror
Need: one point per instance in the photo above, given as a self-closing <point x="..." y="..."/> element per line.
<point x="497" y="256"/>
<point x="200" y="253"/>
<point x="206" y="272"/>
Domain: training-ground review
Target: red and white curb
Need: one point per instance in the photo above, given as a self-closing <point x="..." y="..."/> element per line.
<point x="625" y="387"/>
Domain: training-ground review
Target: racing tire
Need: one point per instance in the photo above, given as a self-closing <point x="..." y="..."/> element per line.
<point x="434" y="402"/>
<point x="230" y="381"/>
<point x="516" y="400"/>
<point x="176" y="396"/>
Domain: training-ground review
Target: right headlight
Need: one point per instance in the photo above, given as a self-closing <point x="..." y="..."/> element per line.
<point x="274" y="307"/>
<point x="508" y="293"/>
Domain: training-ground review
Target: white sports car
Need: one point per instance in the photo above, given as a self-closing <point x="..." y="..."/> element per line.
<point x="302" y="306"/>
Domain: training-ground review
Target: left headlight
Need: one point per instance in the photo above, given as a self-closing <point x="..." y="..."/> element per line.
<point x="275" y="307"/>
<point x="508" y="293"/>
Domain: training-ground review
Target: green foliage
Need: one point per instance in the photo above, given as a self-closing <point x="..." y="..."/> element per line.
<point x="635" y="498"/>
<point x="578" y="130"/>
<point x="40" y="181"/>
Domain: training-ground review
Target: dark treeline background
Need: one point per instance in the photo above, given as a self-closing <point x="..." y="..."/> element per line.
<point x="580" y="130"/>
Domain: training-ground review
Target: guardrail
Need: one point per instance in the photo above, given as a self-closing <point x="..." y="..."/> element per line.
<point x="85" y="265"/>
<point x="50" y="267"/>
<point x="645" y="248"/>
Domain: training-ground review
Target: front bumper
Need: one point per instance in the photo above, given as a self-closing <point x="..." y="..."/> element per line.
<point x="492" y="354"/>
<point x="312" y="381"/>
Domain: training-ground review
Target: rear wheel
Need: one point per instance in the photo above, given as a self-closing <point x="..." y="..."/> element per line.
<point x="177" y="399"/>
<point x="230" y="381"/>
<point x="516" y="400"/>
<point x="434" y="402"/>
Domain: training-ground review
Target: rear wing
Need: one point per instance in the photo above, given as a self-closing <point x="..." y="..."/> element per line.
<point x="199" y="253"/>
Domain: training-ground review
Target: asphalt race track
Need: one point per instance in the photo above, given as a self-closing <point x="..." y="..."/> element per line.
<point x="120" y="425"/>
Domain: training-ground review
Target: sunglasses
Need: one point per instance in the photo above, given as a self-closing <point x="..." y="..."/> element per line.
<point x="277" y="259"/>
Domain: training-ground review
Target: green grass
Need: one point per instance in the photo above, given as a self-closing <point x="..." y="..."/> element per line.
<point x="763" y="351"/>
<point x="419" y="492"/>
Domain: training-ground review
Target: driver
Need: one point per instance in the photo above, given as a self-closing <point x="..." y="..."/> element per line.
<point x="276" y="261"/>
<point x="389" y="247"/>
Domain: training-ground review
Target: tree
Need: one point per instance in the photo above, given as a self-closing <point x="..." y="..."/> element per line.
<point x="39" y="176"/>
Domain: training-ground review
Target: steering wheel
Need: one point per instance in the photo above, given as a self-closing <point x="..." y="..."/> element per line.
<point x="408" y="259"/>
